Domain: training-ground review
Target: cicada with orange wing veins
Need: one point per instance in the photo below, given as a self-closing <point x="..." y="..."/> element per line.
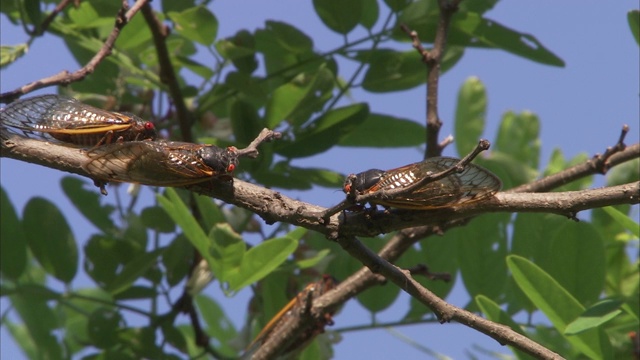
<point x="72" y="122"/>
<point x="297" y="306"/>
<point x="160" y="163"/>
<point x="472" y="184"/>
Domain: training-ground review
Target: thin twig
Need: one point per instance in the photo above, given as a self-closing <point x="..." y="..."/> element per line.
<point x="66" y="78"/>
<point x="599" y="164"/>
<point x="251" y="151"/>
<point x="167" y="74"/>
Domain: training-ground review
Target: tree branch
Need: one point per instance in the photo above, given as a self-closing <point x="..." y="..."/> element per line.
<point x="66" y="78"/>
<point x="167" y="73"/>
<point x="433" y="59"/>
<point x="272" y="206"/>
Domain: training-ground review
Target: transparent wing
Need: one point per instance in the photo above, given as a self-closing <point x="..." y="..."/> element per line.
<point x="156" y="163"/>
<point x="474" y="183"/>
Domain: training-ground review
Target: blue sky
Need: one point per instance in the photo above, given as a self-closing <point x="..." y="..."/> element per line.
<point x="581" y="106"/>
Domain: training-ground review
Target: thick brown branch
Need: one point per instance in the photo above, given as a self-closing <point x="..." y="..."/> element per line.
<point x="273" y="206"/>
<point x="64" y="77"/>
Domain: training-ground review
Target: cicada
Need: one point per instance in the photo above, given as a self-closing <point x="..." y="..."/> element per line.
<point x="160" y="163"/>
<point x="72" y="122"/>
<point x="294" y="308"/>
<point x="473" y="184"/>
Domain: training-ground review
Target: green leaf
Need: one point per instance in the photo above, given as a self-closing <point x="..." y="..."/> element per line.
<point x="471" y="111"/>
<point x="577" y="260"/>
<point x="510" y="170"/>
<point x="10" y="53"/>
<point x="88" y="203"/>
<point x="471" y="29"/>
<point x="250" y="87"/>
<point x="558" y="163"/>
<point x="394" y="71"/>
<point x="321" y="177"/>
<point x="633" y="17"/>
<point x="219" y="326"/>
<point x="133" y="270"/>
<point x="261" y="260"/>
<point x="197" y="24"/>
<point x="50" y="239"/>
<point x="197" y="68"/>
<point x="103" y="327"/>
<point x="228" y="250"/>
<point x="375" y="130"/>
<point x="34" y="13"/>
<point x="156" y="218"/>
<point x="397" y="5"/>
<point x="557" y="304"/>
<point x="74" y="309"/>
<point x="481" y="248"/>
<point x="178" y="211"/>
<point x="325" y="132"/>
<point x="339" y="16"/>
<point x="518" y="136"/>
<point x="304" y="95"/>
<point x="135" y="37"/>
<point x="494" y="313"/>
<point x="240" y="50"/>
<point x="245" y="121"/>
<point x="370" y="13"/>
<point x="210" y="212"/>
<point x="624" y="220"/>
<point x="624" y="173"/>
<point x="13" y="244"/>
<point x="379" y="298"/>
<point x="173" y="336"/>
<point x="105" y="255"/>
<point x="179" y="252"/>
<point x="314" y="260"/>
<point x="40" y="322"/>
<point x="286" y="98"/>
<point x="440" y="253"/>
<point x="283" y="47"/>
<point x="595" y="316"/>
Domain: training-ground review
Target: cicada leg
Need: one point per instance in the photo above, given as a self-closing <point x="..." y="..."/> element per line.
<point x="102" y="185"/>
<point x="106" y="139"/>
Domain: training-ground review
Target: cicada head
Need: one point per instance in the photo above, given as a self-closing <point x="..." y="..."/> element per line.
<point x="222" y="161"/>
<point x="361" y="182"/>
<point x="148" y="131"/>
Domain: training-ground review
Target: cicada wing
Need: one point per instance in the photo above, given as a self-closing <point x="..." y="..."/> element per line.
<point x="67" y="120"/>
<point x="155" y="163"/>
<point x="25" y="114"/>
<point x="474" y="183"/>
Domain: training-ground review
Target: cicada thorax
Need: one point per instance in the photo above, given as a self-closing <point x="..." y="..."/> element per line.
<point x="295" y="307"/>
<point x="160" y="163"/>
<point x="360" y="183"/>
<point x="73" y="122"/>
<point x="472" y="184"/>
